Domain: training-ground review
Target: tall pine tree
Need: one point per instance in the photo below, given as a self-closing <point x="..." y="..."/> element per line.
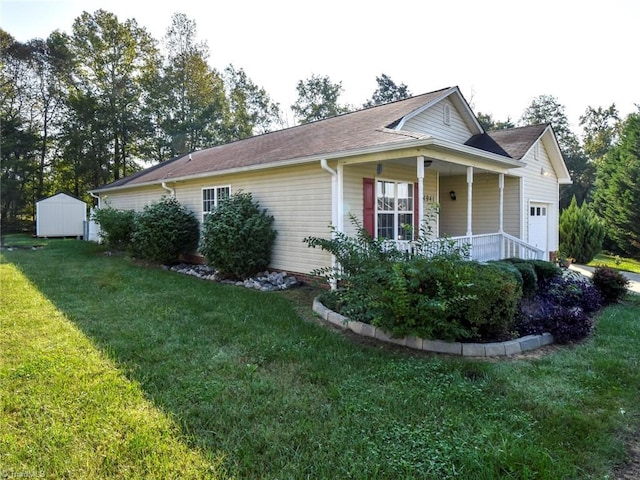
<point x="617" y="190"/>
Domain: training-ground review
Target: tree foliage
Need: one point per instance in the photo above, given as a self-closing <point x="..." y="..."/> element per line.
<point x="81" y="110"/>
<point x="489" y="123"/>
<point x="617" y="189"/>
<point x="387" y="91"/>
<point x="318" y="98"/>
<point x="581" y="232"/>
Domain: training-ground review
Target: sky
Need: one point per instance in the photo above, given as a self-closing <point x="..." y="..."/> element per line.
<point x="500" y="53"/>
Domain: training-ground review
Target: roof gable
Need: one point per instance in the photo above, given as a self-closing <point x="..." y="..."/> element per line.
<point x="61" y="197"/>
<point x="517" y="142"/>
<point x="459" y="103"/>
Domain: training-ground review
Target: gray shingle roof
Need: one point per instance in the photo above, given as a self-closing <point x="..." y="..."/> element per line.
<point x="517" y="141"/>
<point x="351" y="131"/>
<point x="368" y="128"/>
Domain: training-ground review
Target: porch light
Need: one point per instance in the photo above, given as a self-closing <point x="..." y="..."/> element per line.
<point x="545" y="173"/>
<point x="452" y="194"/>
<point x="379" y="168"/>
<point x="427" y="163"/>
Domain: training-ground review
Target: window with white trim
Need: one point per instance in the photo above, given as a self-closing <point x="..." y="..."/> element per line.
<point x="211" y="198"/>
<point x="394" y="210"/>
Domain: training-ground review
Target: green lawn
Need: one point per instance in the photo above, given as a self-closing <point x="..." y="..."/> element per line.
<point x="613" y="261"/>
<point x="114" y="370"/>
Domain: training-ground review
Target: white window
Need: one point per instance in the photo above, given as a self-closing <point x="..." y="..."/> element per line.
<point x="211" y="198"/>
<point x="394" y="205"/>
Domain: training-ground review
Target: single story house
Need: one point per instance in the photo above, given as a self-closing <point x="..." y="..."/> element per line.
<point x="386" y="165"/>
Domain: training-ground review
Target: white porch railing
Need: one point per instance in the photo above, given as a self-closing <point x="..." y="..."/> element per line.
<point x="485" y="247"/>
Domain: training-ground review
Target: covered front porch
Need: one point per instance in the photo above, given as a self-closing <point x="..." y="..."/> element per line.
<point x="416" y="203"/>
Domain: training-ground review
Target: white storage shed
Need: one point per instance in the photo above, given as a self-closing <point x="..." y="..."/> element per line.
<point x="60" y="216"/>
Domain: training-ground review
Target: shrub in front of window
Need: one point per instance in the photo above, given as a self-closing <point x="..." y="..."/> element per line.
<point x="237" y="237"/>
<point x="116" y="226"/>
<point x="165" y="230"/>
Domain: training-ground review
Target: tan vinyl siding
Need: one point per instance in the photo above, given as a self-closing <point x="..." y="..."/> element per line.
<point x="486" y="205"/>
<point x="132" y="199"/>
<point x="431" y="121"/>
<point x="453" y="213"/>
<point x="299" y="198"/>
<point x="352" y="185"/>
<point x="512" y="208"/>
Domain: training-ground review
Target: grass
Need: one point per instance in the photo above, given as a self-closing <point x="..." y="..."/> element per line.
<point x="614" y="261"/>
<point x="117" y="370"/>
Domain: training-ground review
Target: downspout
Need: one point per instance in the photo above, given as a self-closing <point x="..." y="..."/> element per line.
<point x="170" y="190"/>
<point x="334" y="210"/>
<point x="98" y="197"/>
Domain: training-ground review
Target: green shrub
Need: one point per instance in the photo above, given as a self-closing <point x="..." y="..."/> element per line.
<point x="237" y="238"/>
<point x="116" y="226"/>
<point x="164" y="230"/>
<point x="611" y="283"/>
<point x="422" y="297"/>
<point x="442" y="297"/>
<point x="496" y="295"/>
<point x="529" y="278"/>
<point x="545" y="270"/>
<point x="581" y="232"/>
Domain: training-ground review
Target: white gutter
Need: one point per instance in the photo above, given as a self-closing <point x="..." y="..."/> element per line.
<point x="170" y="190"/>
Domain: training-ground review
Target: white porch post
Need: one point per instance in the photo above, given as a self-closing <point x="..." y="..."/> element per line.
<point x="469" y="201"/>
<point x="501" y="193"/>
<point x="501" y="212"/>
<point x="420" y="212"/>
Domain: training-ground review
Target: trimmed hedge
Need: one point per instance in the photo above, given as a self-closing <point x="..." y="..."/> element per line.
<point x="164" y="230"/>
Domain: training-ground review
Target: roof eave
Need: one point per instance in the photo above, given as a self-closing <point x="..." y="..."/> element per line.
<point x="411" y="143"/>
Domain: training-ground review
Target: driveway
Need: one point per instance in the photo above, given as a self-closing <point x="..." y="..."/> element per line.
<point x="634" y="278"/>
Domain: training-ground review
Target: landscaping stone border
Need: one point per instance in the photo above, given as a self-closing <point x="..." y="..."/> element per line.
<point x="495" y="349"/>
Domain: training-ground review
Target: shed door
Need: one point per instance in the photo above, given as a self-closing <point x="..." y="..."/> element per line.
<point x="538" y="225"/>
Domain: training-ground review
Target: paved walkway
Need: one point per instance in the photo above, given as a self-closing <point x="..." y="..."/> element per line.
<point x="634" y="278"/>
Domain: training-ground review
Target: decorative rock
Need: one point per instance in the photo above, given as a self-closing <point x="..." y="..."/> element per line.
<point x="265" y="281"/>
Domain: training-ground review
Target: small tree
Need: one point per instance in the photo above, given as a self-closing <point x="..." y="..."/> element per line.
<point x="237" y="237"/>
<point x="164" y="230"/>
<point x="581" y="232"/>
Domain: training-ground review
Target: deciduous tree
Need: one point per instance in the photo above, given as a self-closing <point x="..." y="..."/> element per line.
<point x="318" y="98"/>
<point x="387" y="91"/>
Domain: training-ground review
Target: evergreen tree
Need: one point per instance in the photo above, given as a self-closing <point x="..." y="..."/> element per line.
<point x="581" y="232"/>
<point x="617" y="189"/>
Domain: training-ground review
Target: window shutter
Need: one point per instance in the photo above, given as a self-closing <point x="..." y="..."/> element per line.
<point x="369" y="203"/>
